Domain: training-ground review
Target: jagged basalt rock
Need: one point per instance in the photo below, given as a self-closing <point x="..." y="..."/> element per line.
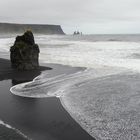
<point x="24" y="54"/>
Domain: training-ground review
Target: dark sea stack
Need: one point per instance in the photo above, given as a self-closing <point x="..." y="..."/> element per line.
<point x="24" y="54"/>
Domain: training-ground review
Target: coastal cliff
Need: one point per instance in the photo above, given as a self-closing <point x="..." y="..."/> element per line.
<point x="6" y="28"/>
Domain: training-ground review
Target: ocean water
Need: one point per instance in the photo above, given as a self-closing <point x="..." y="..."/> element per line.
<point x="103" y="98"/>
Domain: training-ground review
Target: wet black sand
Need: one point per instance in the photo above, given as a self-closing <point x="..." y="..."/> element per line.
<point x="39" y="119"/>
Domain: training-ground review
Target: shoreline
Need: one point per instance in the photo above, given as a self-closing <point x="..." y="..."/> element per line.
<point x="14" y="133"/>
<point x="74" y="116"/>
<point x="75" y="129"/>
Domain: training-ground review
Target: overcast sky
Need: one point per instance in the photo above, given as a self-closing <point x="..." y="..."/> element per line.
<point x="88" y="16"/>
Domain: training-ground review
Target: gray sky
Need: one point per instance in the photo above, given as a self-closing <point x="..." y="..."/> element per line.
<point x="88" y="16"/>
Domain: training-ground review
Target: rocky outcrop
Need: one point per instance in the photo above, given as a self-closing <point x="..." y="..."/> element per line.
<point x="12" y="28"/>
<point x="24" y="54"/>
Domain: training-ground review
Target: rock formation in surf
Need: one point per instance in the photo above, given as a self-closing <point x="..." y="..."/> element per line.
<point x="24" y="54"/>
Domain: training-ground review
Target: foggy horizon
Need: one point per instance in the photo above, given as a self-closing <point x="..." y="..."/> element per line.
<point x="89" y="17"/>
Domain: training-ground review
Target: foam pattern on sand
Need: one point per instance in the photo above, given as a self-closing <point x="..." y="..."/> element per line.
<point x="107" y="107"/>
<point x="106" y="104"/>
<point x="15" y="131"/>
<point x="99" y="99"/>
<point x="42" y="86"/>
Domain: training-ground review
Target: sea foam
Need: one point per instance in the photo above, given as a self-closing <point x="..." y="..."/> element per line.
<point x="104" y="98"/>
<point x="91" y="54"/>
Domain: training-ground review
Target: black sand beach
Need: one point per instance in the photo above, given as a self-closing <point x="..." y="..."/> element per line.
<point x="38" y="119"/>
